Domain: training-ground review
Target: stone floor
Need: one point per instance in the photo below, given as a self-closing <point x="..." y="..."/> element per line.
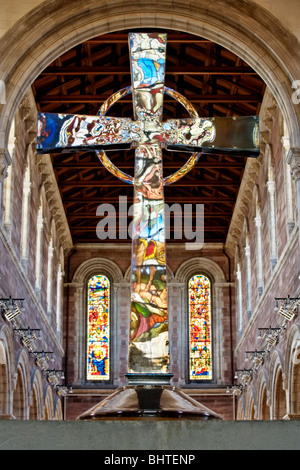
<point x="176" y="436"/>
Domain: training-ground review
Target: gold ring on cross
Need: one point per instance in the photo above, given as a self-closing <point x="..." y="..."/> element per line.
<point x="128" y="178"/>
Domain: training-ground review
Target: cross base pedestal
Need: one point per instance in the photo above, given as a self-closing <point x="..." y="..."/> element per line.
<point x="153" y="400"/>
<point x="149" y="379"/>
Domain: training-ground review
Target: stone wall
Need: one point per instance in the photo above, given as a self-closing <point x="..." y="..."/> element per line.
<point x="18" y="277"/>
<point x="280" y="279"/>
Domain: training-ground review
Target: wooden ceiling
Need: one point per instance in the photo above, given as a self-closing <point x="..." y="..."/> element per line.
<point x="215" y="80"/>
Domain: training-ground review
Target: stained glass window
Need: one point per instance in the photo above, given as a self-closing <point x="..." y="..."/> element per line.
<point x="98" y="329"/>
<point x="200" y="346"/>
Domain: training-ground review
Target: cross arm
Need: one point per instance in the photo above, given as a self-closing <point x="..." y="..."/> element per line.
<point x="63" y="132"/>
<point x="230" y="135"/>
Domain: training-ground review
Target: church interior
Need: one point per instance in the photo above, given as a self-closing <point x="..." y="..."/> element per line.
<point x="240" y="357"/>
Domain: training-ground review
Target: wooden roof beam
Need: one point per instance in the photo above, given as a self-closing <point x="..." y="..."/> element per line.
<point x="193" y="98"/>
<point x="123" y="70"/>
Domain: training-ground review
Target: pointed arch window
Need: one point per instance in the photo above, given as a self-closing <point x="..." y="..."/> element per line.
<point x="98" y="329"/>
<point x="200" y="326"/>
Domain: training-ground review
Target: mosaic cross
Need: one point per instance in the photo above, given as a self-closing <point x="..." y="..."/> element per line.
<point x="148" y="134"/>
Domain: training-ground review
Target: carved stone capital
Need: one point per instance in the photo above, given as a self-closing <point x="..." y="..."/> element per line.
<point x="293" y="159"/>
<point x="5" y="161"/>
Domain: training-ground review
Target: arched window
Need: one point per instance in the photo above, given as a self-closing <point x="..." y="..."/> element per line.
<point x="200" y="324"/>
<point x="98" y="329"/>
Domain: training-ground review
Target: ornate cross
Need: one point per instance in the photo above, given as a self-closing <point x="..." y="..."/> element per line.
<point x="148" y="134"/>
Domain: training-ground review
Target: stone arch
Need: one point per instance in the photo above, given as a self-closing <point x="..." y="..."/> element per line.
<point x="278" y="381"/>
<point x="48" y="404"/>
<point x="58" y="414"/>
<point x="206" y="265"/>
<point x="263" y="403"/>
<point x="280" y="406"/>
<point x="240" y="415"/>
<point x="36" y="405"/>
<point x="22" y="388"/>
<point x="93" y="265"/>
<point x="292" y="361"/>
<point x="7" y="371"/>
<point x="4" y="380"/>
<point x="250" y="401"/>
<point x="244" y="29"/>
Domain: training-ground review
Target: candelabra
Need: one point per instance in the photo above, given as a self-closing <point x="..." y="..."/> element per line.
<point x="245" y="376"/>
<point x="256" y="357"/>
<point x="42" y="358"/>
<point x="236" y="390"/>
<point x="63" y="391"/>
<point x="271" y="335"/>
<point x="287" y="307"/>
<point x="28" y="337"/>
<point x="54" y="376"/>
<point x="11" y="308"/>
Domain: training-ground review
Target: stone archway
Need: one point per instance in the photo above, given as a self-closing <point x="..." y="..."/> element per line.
<point x="3" y="381"/>
<point x="280" y="405"/>
<point x="245" y="28"/>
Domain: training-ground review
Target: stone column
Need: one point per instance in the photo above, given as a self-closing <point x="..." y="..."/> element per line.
<point x="59" y="301"/>
<point x="289" y="186"/>
<point x="5" y="161"/>
<point x="271" y="192"/>
<point x="259" y="260"/>
<point x="38" y="274"/>
<point x="240" y="303"/>
<point x="25" y="222"/>
<point x="249" y="278"/>
<point x="50" y="277"/>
